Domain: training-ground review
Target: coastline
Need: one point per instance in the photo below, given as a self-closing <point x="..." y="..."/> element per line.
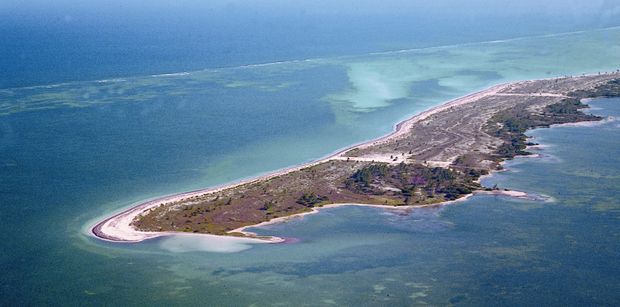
<point x="315" y="210"/>
<point x="506" y="193"/>
<point x="117" y="228"/>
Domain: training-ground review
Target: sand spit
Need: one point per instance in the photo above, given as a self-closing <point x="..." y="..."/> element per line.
<point x="118" y="227"/>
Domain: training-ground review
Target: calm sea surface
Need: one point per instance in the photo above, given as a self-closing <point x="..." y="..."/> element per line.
<point x="73" y="152"/>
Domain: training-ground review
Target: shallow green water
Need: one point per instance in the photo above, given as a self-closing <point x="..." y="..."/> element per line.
<point x="485" y="251"/>
<point x="72" y="153"/>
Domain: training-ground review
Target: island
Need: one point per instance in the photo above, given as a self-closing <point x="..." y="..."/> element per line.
<point x="432" y="158"/>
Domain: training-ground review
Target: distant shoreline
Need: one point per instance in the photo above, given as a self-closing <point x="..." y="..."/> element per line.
<point x="117" y="228"/>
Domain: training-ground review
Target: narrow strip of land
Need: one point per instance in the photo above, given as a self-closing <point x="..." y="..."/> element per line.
<point x="432" y="158"/>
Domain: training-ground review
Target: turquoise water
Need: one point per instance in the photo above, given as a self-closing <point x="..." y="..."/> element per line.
<point x="45" y="42"/>
<point x="485" y="251"/>
<point x="71" y="153"/>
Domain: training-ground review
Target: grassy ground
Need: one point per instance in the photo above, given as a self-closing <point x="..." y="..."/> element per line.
<point x="479" y="136"/>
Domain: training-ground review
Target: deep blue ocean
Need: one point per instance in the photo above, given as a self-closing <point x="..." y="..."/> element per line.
<point x="44" y="42"/>
<point x="107" y="103"/>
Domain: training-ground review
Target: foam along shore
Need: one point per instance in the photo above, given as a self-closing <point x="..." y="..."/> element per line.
<point x="119" y="228"/>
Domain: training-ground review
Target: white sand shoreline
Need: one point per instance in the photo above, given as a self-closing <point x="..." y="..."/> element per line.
<point x="117" y="228"/>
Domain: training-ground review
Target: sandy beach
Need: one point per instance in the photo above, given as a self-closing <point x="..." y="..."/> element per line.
<point x="118" y="228"/>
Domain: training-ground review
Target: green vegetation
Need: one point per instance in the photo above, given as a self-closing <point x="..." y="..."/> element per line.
<point x="362" y="178"/>
<point x="329" y="182"/>
<point x="362" y="182"/>
<point x="414" y="183"/>
<point x="510" y="125"/>
<point x="311" y="199"/>
<point x="610" y="89"/>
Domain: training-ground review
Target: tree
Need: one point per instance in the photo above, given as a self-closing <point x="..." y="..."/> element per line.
<point x="311" y="199"/>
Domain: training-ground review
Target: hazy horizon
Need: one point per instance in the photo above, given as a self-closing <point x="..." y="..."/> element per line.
<point x="78" y="149"/>
<point x="44" y="42"/>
